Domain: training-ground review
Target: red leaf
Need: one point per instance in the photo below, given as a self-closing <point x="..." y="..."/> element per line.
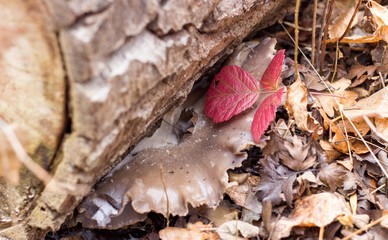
<point x="271" y="77"/>
<point x="232" y="91"/>
<point x="265" y="114"/>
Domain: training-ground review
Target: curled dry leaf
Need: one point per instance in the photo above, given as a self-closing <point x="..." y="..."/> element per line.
<point x="239" y="193"/>
<point x="228" y="230"/>
<point x="296" y="106"/>
<point x="316" y="210"/>
<point x="340" y="141"/>
<point x="331" y="153"/>
<point x="373" y="106"/>
<point x="377" y="15"/>
<point x="344" y="97"/>
<point x="196" y="231"/>
<point x="342" y="11"/>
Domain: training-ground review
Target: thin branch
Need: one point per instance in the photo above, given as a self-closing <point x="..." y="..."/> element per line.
<point x="351" y="20"/>
<point x="323" y="45"/>
<point x="366" y="227"/>
<point x="313" y="32"/>
<point x="297" y="6"/>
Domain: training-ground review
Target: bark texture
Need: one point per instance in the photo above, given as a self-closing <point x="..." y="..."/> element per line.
<point x="114" y="68"/>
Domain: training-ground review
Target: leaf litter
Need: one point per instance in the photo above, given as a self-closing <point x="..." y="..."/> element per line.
<point x="278" y="157"/>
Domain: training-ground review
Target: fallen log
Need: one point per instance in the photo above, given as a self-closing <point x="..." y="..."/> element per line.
<point x="83" y="81"/>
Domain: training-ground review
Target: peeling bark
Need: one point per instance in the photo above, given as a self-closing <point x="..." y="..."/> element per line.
<point x="126" y="64"/>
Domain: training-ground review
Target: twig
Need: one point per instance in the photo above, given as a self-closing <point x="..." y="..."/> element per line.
<point x="382" y="79"/>
<point x="351" y="20"/>
<point x="378" y="189"/>
<point x="367" y="146"/>
<point x="323" y="45"/>
<point x="321" y="233"/>
<point x="290" y="24"/>
<point x="297" y="6"/>
<point x="366" y="227"/>
<point x="342" y="36"/>
<point x="335" y="61"/>
<point x="341" y="110"/>
<point x="313" y="32"/>
<point x="321" y="30"/>
<point x="165" y="192"/>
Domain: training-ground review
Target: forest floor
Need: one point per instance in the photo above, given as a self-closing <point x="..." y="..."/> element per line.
<point x="317" y="169"/>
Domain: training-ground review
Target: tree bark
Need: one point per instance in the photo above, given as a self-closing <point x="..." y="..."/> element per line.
<point x="105" y="71"/>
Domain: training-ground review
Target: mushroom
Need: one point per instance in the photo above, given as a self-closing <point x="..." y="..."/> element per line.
<point x="165" y="175"/>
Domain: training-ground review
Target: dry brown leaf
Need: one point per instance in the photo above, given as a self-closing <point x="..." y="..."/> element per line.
<point x="340" y="142"/>
<point x="380" y="57"/>
<point x="379" y="19"/>
<point x="331" y="153"/>
<point x="298" y="154"/>
<point x="332" y="175"/>
<point x="346" y="163"/>
<point x="357" y="70"/>
<point x="343" y="11"/>
<point x="296" y="106"/>
<point x="379" y="13"/>
<point x="320" y="209"/>
<point x="240" y="192"/>
<point x="344" y="97"/>
<point x="196" y="231"/>
<point x="373" y="106"/>
<point x="223" y="213"/>
<point x="382" y="128"/>
<point x="316" y="210"/>
<point x="228" y="230"/>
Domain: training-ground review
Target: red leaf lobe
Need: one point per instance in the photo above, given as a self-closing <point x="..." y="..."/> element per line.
<point x="265" y="114"/>
<point x="271" y="76"/>
<point x="232" y="91"/>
